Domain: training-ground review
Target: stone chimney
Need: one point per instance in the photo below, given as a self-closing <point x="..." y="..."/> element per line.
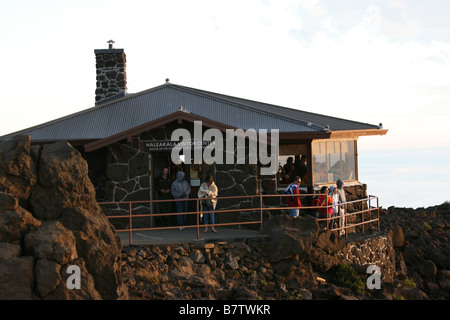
<point x="111" y="74"/>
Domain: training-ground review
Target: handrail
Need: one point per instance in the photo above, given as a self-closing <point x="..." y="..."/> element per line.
<point x="261" y="208"/>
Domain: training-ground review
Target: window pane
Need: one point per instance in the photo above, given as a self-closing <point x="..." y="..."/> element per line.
<point x="334" y="161"/>
<point x="348" y="157"/>
<point x="319" y="162"/>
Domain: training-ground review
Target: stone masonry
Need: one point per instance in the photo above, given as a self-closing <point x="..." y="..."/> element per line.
<point x="111" y="73"/>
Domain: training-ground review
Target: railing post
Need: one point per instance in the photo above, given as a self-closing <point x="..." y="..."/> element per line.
<point x="261" y="212"/>
<point x="131" y="226"/>
<point x="362" y="220"/>
<point x="378" y="214"/>
<point x="198" y="219"/>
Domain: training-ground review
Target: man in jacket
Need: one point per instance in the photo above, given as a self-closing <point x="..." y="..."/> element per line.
<point x="163" y="183"/>
<point x="181" y="190"/>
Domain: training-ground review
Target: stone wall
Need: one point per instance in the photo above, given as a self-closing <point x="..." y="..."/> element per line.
<point x="376" y="250"/>
<point x="231" y="179"/>
<point x="127" y="171"/>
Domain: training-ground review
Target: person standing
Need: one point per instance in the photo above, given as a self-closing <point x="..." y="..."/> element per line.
<point x="288" y="169"/>
<point x="294" y="201"/>
<point x="342" y="206"/>
<point x="208" y="191"/>
<point x="300" y="168"/>
<point x="180" y="190"/>
<point x="163" y="183"/>
<point x="335" y="197"/>
<point x="325" y="203"/>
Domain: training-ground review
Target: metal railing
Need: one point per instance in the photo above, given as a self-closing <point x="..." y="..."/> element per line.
<point x="366" y="215"/>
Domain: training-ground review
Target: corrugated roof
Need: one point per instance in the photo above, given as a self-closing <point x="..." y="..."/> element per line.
<point x="116" y="116"/>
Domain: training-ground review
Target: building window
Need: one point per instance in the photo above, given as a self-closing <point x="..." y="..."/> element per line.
<point x="289" y="157"/>
<point x="333" y="160"/>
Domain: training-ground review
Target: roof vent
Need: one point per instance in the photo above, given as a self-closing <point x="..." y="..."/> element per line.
<point x="167" y="80"/>
<point x="111" y="44"/>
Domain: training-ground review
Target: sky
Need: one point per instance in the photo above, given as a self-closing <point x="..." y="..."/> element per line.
<point x="384" y="61"/>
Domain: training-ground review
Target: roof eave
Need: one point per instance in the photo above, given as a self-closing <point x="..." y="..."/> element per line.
<point x="178" y="116"/>
<point x="344" y="134"/>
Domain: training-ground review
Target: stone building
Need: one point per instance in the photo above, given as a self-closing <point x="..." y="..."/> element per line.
<point x="127" y="138"/>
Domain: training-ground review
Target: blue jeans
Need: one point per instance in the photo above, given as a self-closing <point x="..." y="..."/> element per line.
<point x="181" y="206"/>
<point x="208" y="214"/>
<point x="293" y="212"/>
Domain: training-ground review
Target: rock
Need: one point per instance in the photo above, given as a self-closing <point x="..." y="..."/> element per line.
<point x="242" y="293"/>
<point x="330" y="242"/>
<point x="327" y="292"/>
<point x="428" y="270"/>
<point x="197" y="256"/>
<point x="87" y="290"/>
<point x="398" y="239"/>
<point x="8" y="202"/>
<point x="8" y="251"/>
<point x="412" y="294"/>
<point x="284" y="242"/>
<point x="15" y="224"/>
<point x="17" y="169"/>
<point x="48" y="277"/>
<point x="443" y="278"/>
<point x="17" y="279"/>
<point x="99" y="245"/>
<point x="412" y="255"/>
<point x="63" y="182"/>
<point x="51" y="241"/>
<point x="61" y="224"/>
<point x="232" y="263"/>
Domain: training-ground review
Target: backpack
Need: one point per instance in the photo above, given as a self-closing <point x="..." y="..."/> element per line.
<point x="289" y="191"/>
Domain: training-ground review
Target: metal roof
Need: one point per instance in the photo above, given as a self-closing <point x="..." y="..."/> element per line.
<point x="133" y="110"/>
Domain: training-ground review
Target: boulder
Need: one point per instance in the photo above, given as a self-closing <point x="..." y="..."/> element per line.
<point x="99" y="245"/>
<point x="61" y="226"/>
<point x="14" y="224"/>
<point x="286" y="239"/>
<point x="51" y="241"/>
<point x="17" y="169"/>
<point x="63" y="182"/>
<point x="9" y="250"/>
<point x="398" y="238"/>
<point x="8" y="202"/>
<point x="87" y="290"/>
<point x="17" y="279"/>
<point x="48" y="277"/>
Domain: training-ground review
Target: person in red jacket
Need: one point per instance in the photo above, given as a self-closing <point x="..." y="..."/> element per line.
<point x="324" y="201"/>
<point x="295" y="200"/>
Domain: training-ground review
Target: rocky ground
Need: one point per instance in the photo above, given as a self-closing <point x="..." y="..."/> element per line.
<point x="247" y="269"/>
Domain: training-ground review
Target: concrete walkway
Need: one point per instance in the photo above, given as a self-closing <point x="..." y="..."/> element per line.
<point x="188" y="235"/>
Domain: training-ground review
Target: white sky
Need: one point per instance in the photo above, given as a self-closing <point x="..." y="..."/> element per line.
<point x="371" y="61"/>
